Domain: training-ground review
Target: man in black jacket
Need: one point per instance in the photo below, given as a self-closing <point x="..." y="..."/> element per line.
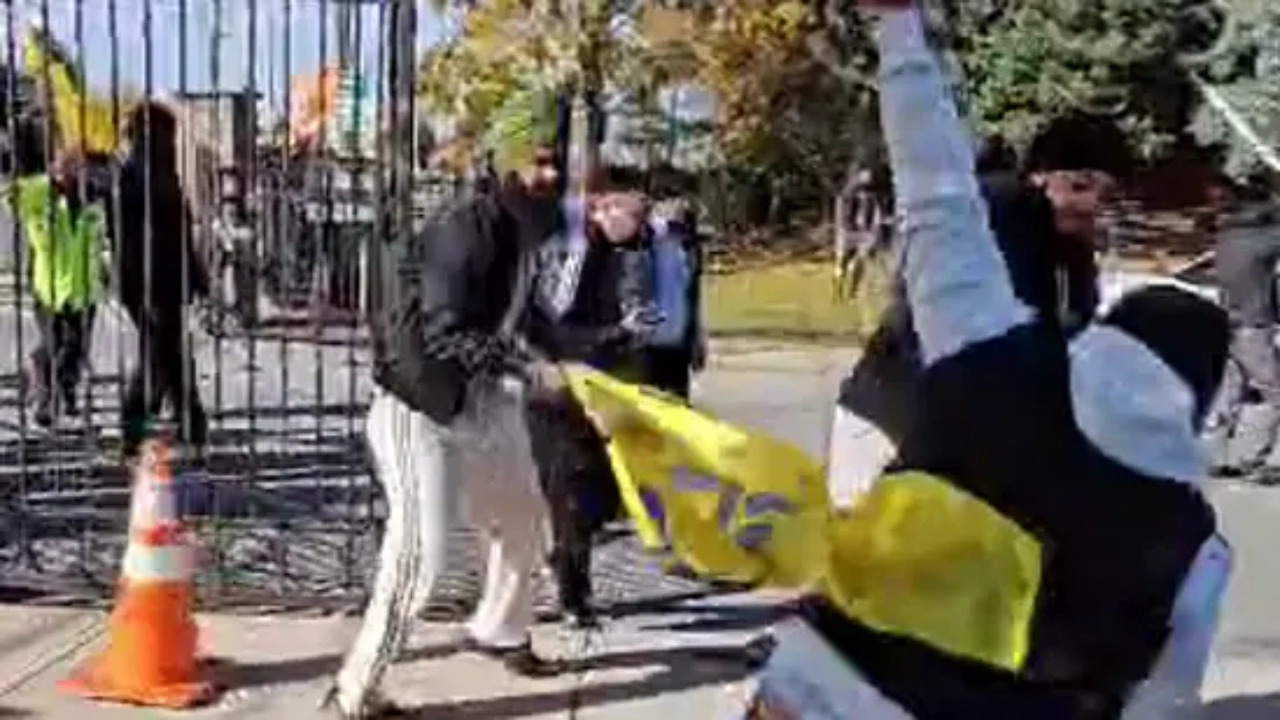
<point x="447" y="432"/>
<point x="159" y="274"/>
<point x="1045" y="223"/>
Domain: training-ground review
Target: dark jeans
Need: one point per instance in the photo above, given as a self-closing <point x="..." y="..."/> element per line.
<point x="578" y="483"/>
<point x="165" y="371"/>
<point x="58" y="360"/>
<point x="669" y="369"/>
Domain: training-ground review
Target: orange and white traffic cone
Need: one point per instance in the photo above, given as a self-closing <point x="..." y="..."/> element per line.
<point x="151" y="656"/>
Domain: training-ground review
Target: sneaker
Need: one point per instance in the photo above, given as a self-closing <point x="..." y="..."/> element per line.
<point x="520" y="659"/>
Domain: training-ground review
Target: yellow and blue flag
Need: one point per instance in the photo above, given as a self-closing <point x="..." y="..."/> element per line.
<point x="729" y="502"/>
<point x="915" y="556"/>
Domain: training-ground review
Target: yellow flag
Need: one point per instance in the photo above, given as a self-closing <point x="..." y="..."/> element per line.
<point x="731" y="503"/>
<point x="916" y="556"/>
<point x="82" y="121"/>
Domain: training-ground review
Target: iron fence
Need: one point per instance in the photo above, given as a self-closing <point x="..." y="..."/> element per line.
<point x="286" y="111"/>
<point x="297" y="155"/>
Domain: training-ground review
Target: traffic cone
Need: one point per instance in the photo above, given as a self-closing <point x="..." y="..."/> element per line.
<point x="151" y="656"/>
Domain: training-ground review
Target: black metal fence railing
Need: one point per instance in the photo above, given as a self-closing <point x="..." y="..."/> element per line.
<point x="294" y="151"/>
<point x="283" y="111"/>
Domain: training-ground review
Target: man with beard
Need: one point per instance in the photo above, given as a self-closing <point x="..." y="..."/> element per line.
<point x="447" y="431"/>
<point x="1045" y="223"/>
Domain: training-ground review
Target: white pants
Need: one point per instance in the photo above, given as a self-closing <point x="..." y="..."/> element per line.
<point x="857" y="453"/>
<point x="479" y="469"/>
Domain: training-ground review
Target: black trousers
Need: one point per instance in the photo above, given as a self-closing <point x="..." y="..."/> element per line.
<point x="58" y="360"/>
<point x="165" y="371"/>
<point x="669" y="369"/>
<point x="578" y="483"/>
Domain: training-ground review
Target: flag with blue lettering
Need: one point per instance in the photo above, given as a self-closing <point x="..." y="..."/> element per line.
<point x="732" y="503"/>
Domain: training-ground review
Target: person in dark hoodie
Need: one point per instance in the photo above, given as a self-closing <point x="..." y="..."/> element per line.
<point x="1063" y="472"/>
<point x="158" y="275"/>
<point x="447" y="431"/>
<point x="1045" y="221"/>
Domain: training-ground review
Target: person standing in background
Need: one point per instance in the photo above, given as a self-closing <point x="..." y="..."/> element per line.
<point x="678" y="344"/>
<point x="65" y="233"/>
<point x="160" y="274"/>
<point x="594" y="305"/>
<point x="1046" y="222"/>
<point x="1246" y="256"/>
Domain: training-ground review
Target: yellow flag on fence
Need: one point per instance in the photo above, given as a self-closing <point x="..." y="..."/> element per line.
<point x="731" y="503"/>
<point x="84" y="122"/>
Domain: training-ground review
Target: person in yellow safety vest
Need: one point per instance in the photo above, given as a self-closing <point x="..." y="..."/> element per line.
<point x="65" y="239"/>
<point x="1042" y="546"/>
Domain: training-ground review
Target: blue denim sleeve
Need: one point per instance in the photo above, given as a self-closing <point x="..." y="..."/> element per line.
<point x="956" y="281"/>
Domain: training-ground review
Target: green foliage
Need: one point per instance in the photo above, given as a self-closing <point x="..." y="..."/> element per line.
<point x="1029" y="61"/>
<point x="1247" y="74"/>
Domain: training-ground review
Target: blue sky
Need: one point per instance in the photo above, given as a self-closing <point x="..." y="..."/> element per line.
<point x="299" y="20"/>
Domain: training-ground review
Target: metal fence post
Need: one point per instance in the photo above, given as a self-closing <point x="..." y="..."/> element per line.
<point x="402" y="79"/>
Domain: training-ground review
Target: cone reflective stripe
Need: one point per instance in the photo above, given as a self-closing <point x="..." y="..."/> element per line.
<point x="162" y="564"/>
<point x="151" y="655"/>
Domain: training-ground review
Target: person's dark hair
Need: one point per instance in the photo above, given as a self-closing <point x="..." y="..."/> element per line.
<point x="616" y="178"/>
<point x="1080" y="141"/>
<point x="153" y="129"/>
<point x="996" y="155"/>
<point x="1189" y="333"/>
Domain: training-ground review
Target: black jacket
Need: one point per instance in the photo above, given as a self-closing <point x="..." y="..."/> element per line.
<point x="616" y="283"/>
<point x="456" y="285"/>
<point x="882" y="386"/>
<point x="151" y="191"/>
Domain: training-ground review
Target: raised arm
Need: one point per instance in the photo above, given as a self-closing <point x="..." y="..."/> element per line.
<point x="956" y="281"/>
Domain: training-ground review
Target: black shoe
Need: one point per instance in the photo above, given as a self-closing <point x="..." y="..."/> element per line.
<point x="42" y="414"/>
<point x="1267" y="475"/>
<point x="70" y="407"/>
<point x="580" y="618"/>
<point x="520" y="659"/>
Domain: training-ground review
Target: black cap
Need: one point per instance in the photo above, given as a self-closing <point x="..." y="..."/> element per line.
<point x="1189" y="333"/>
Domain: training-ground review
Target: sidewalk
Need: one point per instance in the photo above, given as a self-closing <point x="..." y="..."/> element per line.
<point x="656" y="664"/>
